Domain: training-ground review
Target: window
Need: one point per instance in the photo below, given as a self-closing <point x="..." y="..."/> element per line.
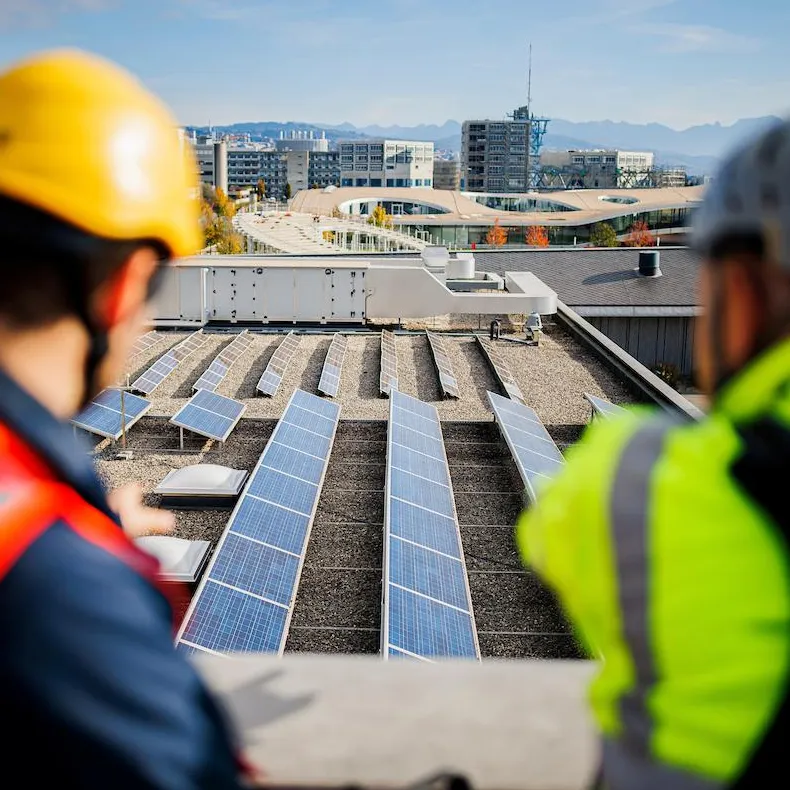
<point x="428" y="182"/>
<point x="362" y="182"/>
<point x="346" y="182"/>
<point x="418" y="182"/>
<point x="578" y="160"/>
<point x="375" y="182"/>
<point x="399" y="182"/>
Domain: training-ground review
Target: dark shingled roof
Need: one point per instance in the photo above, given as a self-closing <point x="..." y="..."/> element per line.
<point x="586" y="277"/>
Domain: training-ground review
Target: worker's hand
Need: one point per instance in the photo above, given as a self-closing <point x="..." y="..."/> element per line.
<point x="136" y="518"/>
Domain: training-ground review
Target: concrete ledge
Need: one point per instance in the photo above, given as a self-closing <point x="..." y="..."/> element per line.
<point x="329" y="721"/>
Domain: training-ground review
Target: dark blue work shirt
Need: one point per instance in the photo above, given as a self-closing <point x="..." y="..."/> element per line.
<point x="92" y="688"/>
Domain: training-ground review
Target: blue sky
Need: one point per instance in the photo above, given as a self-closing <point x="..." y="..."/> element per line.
<point x="678" y="62"/>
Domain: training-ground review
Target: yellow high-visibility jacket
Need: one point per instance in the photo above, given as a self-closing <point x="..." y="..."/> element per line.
<point x="668" y="545"/>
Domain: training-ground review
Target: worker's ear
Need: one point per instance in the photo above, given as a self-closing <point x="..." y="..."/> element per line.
<point x="745" y="310"/>
<point x="125" y="294"/>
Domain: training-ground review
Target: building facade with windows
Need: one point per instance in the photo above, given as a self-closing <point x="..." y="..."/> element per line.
<point x="447" y="174"/>
<point x="495" y="155"/>
<point x="598" y="169"/>
<point x="386" y="163"/>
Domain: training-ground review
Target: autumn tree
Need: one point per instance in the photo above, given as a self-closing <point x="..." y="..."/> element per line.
<point x="261" y="189"/>
<point x="639" y="235"/>
<point x="231" y="244"/>
<point x="379" y="218"/>
<point x="537" y="236"/>
<point x="328" y="236"/>
<point x="496" y="236"/>
<point x="603" y="235"/>
<point x="223" y="206"/>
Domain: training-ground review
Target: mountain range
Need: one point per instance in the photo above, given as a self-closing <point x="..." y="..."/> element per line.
<point x="699" y="148"/>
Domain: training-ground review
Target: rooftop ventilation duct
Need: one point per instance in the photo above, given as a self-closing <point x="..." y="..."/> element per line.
<point x="649" y="263"/>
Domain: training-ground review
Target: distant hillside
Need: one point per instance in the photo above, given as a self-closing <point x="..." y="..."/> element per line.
<point x="698" y="147"/>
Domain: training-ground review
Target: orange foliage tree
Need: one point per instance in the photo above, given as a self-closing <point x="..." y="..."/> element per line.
<point x="640" y="235"/>
<point x="537" y="236"/>
<point x="497" y="236"/>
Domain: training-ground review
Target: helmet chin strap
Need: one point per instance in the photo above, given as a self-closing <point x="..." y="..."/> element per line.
<point x="98" y="340"/>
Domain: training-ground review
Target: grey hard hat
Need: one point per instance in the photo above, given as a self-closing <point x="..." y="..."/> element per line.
<point x="750" y="196"/>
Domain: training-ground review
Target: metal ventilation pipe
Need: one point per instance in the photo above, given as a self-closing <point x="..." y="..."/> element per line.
<point x="649" y="263"/>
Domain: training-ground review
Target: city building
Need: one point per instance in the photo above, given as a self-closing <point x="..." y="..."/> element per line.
<point x="495" y="154"/>
<point x="598" y="169"/>
<point x="447" y="174"/>
<point x="672" y="177"/>
<point x="302" y="141"/>
<point x="386" y="163"/>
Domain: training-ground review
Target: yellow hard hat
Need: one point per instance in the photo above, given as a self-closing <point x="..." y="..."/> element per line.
<point x="83" y="140"/>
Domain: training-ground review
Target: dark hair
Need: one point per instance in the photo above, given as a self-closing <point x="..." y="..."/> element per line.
<point x="49" y="268"/>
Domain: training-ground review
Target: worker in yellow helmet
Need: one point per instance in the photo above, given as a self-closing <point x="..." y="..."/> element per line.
<point x="668" y="542"/>
<point x="97" y="194"/>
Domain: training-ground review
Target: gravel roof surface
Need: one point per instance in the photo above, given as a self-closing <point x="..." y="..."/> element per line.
<point x="338" y="607"/>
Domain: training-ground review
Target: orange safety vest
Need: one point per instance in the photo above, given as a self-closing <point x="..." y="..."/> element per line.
<point x="32" y="500"/>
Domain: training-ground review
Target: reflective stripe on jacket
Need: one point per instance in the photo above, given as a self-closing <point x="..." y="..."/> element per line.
<point x="673" y="565"/>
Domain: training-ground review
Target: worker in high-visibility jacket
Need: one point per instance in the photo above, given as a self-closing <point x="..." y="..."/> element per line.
<point x="667" y="542"/>
<point x="97" y="192"/>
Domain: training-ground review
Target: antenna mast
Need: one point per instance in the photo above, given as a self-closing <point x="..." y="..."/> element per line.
<point x="529" y="82"/>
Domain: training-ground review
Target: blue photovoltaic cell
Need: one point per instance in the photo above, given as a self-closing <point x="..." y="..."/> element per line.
<point x="604" y="408"/>
<point x="229" y="621"/>
<point x="294" y="462"/>
<point x="411" y="488"/>
<point x="270" y="524"/>
<point x="210" y="415"/>
<point x="286" y="491"/>
<point x="534" y="451"/>
<point x="427" y="572"/>
<point x="430" y="529"/>
<point x="304" y="400"/>
<point x="428" y="610"/>
<point x="310" y="421"/>
<point x="301" y="439"/>
<point x="103" y="414"/>
<point x="256" y="568"/>
<point x="246" y="597"/>
<point x="416" y="441"/>
<point x="419" y="464"/>
<point x="429" y="629"/>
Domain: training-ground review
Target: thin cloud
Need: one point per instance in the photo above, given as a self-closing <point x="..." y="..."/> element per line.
<point x="610" y="11"/>
<point x="685" y="39"/>
<point x="15" y="14"/>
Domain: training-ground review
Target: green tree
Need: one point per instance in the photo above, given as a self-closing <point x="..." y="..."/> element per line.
<point x="603" y="235"/>
<point x="288" y="192"/>
<point x="261" y="189"/>
<point x="379" y="218"/>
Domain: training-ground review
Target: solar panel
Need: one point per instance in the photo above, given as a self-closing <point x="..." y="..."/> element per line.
<point x="109" y="411"/>
<point x="388" y="380"/>
<point x="166" y="364"/>
<point x="427" y="604"/>
<point x="144" y="342"/>
<point x="447" y="379"/>
<point x="604" y="408"/>
<point x="210" y="415"/>
<point x="272" y="377"/>
<point x="536" y="456"/>
<point x="218" y="369"/>
<point x="500" y="368"/>
<point x="246" y="598"/>
<point x="333" y="366"/>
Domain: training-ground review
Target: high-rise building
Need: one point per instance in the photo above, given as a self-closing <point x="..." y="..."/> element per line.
<point x="446" y="174"/>
<point x="495" y="154"/>
<point x="386" y="163"/>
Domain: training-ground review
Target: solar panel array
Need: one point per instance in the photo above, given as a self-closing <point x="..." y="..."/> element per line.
<point x="223" y="362"/>
<point x="388" y="380"/>
<point x="447" y="379"/>
<point x="604" y="408"/>
<point x="273" y="375"/>
<point x="210" y="415"/>
<point x="536" y="456"/>
<point x="166" y="364"/>
<point x="110" y="411"/>
<point x="502" y="371"/>
<point x="333" y="366"/>
<point x="427" y="604"/>
<point x="145" y="342"/>
<point x="246" y="598"/>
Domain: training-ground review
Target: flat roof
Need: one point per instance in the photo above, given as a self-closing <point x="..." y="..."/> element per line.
<point x="338" y="608"/>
